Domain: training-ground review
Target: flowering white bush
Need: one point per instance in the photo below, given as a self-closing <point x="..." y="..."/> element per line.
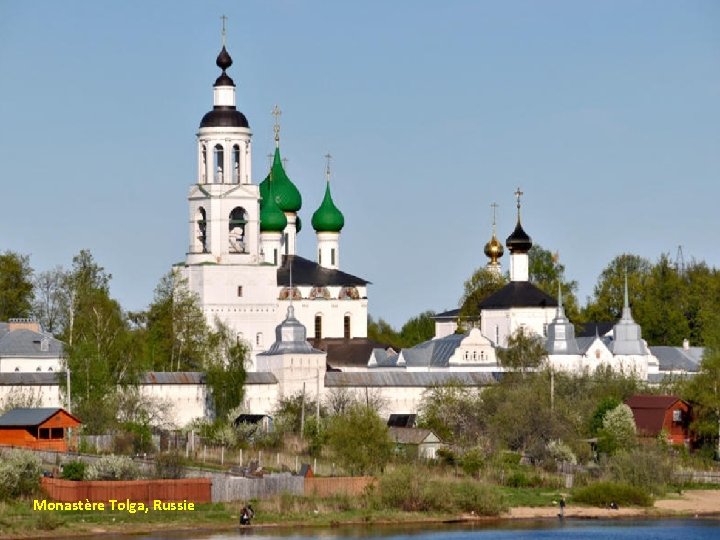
<point x="112" y="468"/>
<point x="20" y="473"/>
<point x="559" y="451"/>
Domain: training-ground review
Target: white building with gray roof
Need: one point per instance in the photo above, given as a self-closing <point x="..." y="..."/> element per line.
<point x="25" y="347"/>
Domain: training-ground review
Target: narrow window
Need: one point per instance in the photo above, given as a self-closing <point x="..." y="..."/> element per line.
<point x="275" y="256"/>
<point x="240" y="291"/>
<point x="258" y="339"/>
<point x="219" y="161"/>
<point x="318" y="327"/>
<point x="545" y="329"/>
<point x="497" y="335"/>
<point x="346" y="327"/>
<point x="236" y="164"/>
<point x="285" y="239"/>
<point x="332" y="256"/>
<point x="320" y="257"/>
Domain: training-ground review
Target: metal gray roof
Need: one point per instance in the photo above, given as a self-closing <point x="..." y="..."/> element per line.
<point x="24" y="342"/>
<point x="385" y="358"/>
<point x="27" y="417"/>
<point x="198" y="377"/>
<point x="32" y="378"/>
<point x="677" y="358"/>
<point x="433" y="353"/>
<point x="379" y="378"/>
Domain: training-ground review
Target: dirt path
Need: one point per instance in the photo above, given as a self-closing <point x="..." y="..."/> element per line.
<point x="697" y="502"/>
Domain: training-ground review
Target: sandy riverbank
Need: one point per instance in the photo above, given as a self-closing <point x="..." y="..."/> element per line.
<point x="690" y="503"/>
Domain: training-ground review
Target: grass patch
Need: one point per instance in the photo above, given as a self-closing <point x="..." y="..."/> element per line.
<point x="604" y="493"/>
<point x="535" y="497"/>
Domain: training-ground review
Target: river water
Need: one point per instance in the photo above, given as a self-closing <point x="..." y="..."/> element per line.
<point x="668" y="529"/>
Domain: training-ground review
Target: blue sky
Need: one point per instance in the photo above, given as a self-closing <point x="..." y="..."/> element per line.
<point x="605" y="113"/>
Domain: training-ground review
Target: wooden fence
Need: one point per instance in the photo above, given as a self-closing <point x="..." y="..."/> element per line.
<point x="196" y="490"/>
<point x="352" y="486"/>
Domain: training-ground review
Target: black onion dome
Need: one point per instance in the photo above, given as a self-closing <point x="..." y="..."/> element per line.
<point x="224" y="80"/>
<point x="223" y="60"/>
<point x="519" y="241"/>
<point x="224" y="117"/>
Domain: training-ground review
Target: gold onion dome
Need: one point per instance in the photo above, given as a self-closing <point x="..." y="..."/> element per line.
<point x="494" y="249"/>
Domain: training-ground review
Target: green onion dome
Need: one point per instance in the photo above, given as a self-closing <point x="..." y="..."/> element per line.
<point x="287" y="196"/>
<point x="272" y="219"/>
<point x="328" y="218"/>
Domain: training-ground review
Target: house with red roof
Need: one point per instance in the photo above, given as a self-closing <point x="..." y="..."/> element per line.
<point x="661" y="414"/>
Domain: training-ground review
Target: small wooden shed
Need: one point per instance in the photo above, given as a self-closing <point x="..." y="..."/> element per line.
<point x="421" y="442"/>
<point x="37" y="428"/>
<point x="656" y="414"/>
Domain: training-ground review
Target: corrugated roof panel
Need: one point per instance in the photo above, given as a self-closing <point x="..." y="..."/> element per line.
<point x="27" y="417"/>
<point x="407" y="378"/>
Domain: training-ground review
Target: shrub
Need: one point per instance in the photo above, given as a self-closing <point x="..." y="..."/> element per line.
<point x="112" y="468"/>
<point x="646" y="468"/>
<point x="20" y="473"/>
<point x="520" y="479"/>
<point x="73" y="470"/>
<point x="482" y="499"/>
<point x="169" y="465"/>
<point x="473" y="461"/>
<point x="604" y="493"/>
<point x="403" y="489"/>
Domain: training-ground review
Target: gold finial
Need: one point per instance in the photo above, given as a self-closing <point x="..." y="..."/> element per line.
<point x="276" y="112"/>
<point x="518" y="194"/>
<point x="328" y="157"/>
<point x="494" y="207"/>
<point x="224" y="20"/>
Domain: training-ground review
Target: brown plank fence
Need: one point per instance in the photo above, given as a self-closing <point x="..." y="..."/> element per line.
<point x="337" y="485"/>
<point x="197" y="490"/>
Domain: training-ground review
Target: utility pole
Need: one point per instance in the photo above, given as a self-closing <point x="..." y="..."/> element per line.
<point x="317" y="398"/>
<point x="302" y="412"/>
<point x="67" y="374"/>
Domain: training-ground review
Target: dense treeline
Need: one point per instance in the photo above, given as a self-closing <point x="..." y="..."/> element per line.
<point x="107" y="348"/>
<point x="670" y="303"/>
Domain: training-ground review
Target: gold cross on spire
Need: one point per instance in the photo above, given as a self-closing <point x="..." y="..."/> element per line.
<point x="328" y="157"/>
<point x="224" y="20"/>
<point x="494" y="207"/>
<point x="276" y="112"/>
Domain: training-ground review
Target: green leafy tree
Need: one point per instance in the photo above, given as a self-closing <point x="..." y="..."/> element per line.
<point x="360" y="440"/>
<point x="453" y="413"/>
<point x="16" y="286"/>
<point x="225" y="372"/>
<point x="703" y="390"/>
<point x="100" y="350"/>
<point x="381" y="332"/>
<point x="289" y="412"/>
<point x="178" y="336"/>
<point x="52" y="301"/>
<point x="662" y="308"/>
<point x="546" y="272"/>
<point x="418" y="329"/>
<point x="607" y="301"/>
<point x="525" y="350"/>
<point x="596" y="420"/>
<point x="481" y="284"/>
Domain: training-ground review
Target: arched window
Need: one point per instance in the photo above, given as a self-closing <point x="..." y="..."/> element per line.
<point x="218" y="163"/>
<point x="319" y="293"/>
<point x="236" y="164"/>
<point x="318" y="327"/>
<point x="349" y="293"/>
<point x="201" y="236"/>
<point x="236" y="230"/>
<point x="203" y="164"/>
<point x="50" y="369"/>
<point x="346" y="326"/>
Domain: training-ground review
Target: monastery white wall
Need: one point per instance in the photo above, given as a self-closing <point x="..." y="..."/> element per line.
<point x="499" y="324"/>
<point x="24" y="364"/>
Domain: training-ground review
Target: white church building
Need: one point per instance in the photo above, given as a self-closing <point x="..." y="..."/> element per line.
<point x="242" y="260"/>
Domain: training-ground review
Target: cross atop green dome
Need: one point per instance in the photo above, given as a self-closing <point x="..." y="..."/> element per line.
<point x="287" y="196"/>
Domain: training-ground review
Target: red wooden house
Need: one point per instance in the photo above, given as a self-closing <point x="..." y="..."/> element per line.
<point x="657" y="414"/>
<point x="39" y="428"/>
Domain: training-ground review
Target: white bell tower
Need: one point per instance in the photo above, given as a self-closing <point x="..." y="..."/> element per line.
<point x="224" y="208"/>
